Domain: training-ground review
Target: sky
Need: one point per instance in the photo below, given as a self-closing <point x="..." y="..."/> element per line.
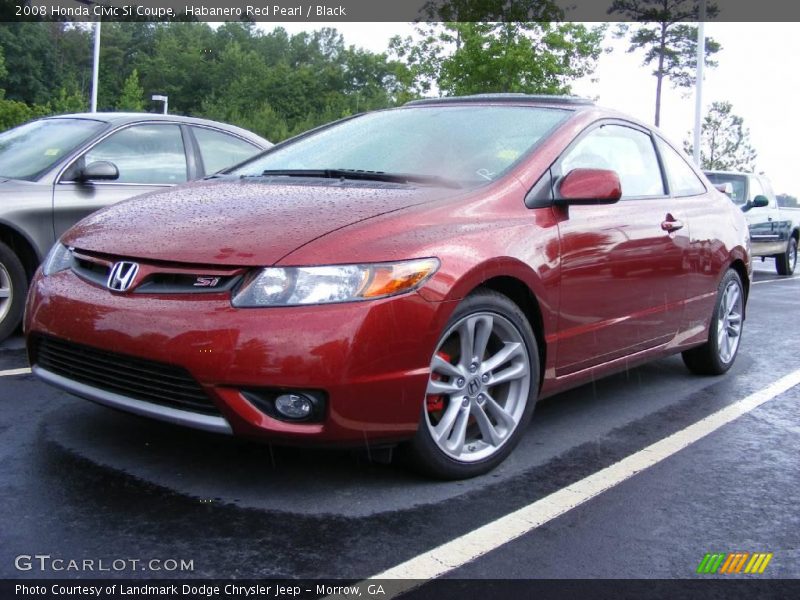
<point x="758" y="73"/>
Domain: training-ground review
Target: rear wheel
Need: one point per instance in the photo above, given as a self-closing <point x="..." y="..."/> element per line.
<point x="13" y="288"/>
<point x="716" y="356"/>
<point x="786" y="262"/>
<point x="482" y="389"/>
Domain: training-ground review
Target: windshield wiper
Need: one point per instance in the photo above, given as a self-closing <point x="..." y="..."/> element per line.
<point x="358" y="174"/>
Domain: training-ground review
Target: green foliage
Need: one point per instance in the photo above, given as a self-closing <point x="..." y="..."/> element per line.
<point x="67" y="102"/>
<point x="28" y="57"/>
<point x="724" y="141"/>
<point x="668" y="43"/>
<point x="176" y="60"/>
<point x="261" y="119"/>
<point x="132" y="96"/>
<point x="278" y="84"/>
<point x="479" y="57"/>
<point x="14" y="112"/>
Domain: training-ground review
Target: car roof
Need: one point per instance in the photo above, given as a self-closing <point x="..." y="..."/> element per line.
<point x="506" y="98"/>
<point x="716" y="172"/>
<point x="123" y="118"/>
<point x="576" y="104"/>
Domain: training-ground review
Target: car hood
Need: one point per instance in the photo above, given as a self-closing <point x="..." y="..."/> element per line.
<point x="243" y="222"/>
<point x="8" y="184"/>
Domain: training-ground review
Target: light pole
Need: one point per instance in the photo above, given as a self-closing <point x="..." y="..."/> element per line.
<point x="160" y="98"/>
<point x="95" y="66"/>
<point x="698" y="88"/>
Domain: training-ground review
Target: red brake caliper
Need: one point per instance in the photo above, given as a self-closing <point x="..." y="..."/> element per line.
<point x="435" y="402"/>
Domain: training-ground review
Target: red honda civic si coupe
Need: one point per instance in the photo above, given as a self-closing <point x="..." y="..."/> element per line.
<point x="416" y="276"/>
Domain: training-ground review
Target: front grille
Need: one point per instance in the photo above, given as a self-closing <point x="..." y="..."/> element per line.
<point x="157" y="278"/>
<point x="128" y="376"/>
<point x="95" y="272"/>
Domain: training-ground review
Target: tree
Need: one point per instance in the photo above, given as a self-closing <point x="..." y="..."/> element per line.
<point x="665" y="39"/>
<point x="724" y="141"/>
<point x="176" y="64"/>
<point x="30" y="59"/>
<point x="67" y="101"/>
<point x="271" y="82"/>
<point x="41" y="58"/>
<point x="132" y="96"/>
<point x="12" y="112"/>
<point x="479" y="57"/>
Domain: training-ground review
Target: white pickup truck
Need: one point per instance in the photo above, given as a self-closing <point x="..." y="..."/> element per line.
<point x="774" y="230"/>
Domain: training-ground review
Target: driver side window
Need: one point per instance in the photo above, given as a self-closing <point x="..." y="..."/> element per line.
<point x="146" y="154"/>
<point x="625" y="150"/>
<point x="755" y="188"/>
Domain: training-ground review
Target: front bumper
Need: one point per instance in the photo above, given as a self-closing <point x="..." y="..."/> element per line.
<point x="138" y="407"/>
<point x="371" y="359"/>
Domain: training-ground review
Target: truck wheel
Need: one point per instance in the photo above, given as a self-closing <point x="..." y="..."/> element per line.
<point x="716" y="356"/>
<point x="13" y="289"/>
<point x="786" y="262"/>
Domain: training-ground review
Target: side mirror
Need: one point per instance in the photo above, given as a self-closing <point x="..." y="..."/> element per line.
<point x="101" y="170"/>
<point x="759" y="201"/>
<point x="589" y="186"/>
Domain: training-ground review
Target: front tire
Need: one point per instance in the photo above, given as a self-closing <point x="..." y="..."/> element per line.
<point x="13" y="289"/>
<point x="717" y="355"/>
<point x="482" y="389"/>
<point x="786" y="262"/>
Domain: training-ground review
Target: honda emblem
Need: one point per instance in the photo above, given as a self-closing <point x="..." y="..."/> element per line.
<point x="122" y="275"/>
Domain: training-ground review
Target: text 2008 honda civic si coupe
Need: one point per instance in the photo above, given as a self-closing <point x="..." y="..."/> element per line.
<point x="416" y="276"/>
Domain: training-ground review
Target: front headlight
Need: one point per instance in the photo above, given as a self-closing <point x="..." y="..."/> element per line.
<point x="58" y="259"/>
<point x="292" y="286"/>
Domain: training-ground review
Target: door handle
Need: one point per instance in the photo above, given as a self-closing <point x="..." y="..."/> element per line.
<point x="669" y="225"/>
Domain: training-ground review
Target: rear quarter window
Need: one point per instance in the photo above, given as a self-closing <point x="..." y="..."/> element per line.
<point x="683" y="181"/>
<point x="221" y="150"/>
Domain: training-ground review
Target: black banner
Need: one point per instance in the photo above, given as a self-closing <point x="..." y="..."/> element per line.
<point x="277" y="11"/>
<point x="377" y="589"/>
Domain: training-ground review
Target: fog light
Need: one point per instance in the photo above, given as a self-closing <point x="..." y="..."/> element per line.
<point x="294" y="406"/>
<point x="297" y="406"/>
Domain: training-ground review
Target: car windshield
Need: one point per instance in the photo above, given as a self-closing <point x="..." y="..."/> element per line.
<point x="738" y="184"/>
<point x="29" y="150"/>
<point x="467" y="145"/>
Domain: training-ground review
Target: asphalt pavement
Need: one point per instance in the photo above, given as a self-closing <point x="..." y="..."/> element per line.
<point x="79" y="481"/>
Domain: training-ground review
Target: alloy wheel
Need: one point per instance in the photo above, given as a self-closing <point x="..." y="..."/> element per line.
<point x="5" y="292"/>
<point x="729" y="321"/>
<point x="479" y="386"/>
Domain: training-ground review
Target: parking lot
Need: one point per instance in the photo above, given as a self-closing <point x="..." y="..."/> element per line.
<point x="79" y="481"/>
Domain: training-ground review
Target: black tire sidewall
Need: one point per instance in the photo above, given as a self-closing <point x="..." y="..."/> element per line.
<point x="783" y="264"/>
<point x="425" y="452"/>
<point x="19" y="289"/>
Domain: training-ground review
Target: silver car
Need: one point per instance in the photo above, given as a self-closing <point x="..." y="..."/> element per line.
<point x="57" y="170"/>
